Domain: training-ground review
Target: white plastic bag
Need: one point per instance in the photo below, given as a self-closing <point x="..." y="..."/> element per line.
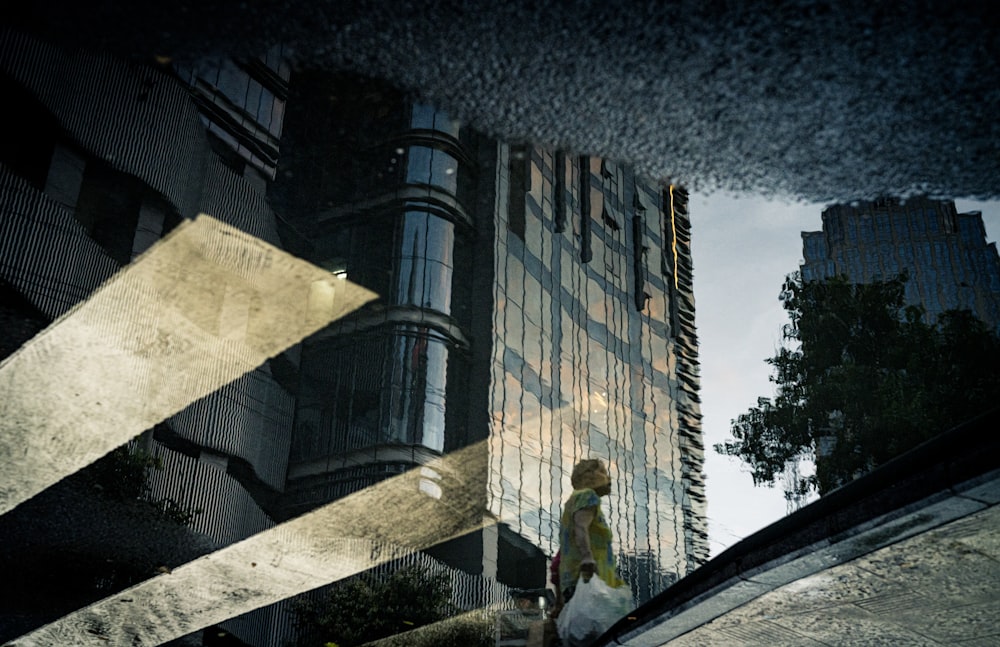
<point x="594" y="607"/>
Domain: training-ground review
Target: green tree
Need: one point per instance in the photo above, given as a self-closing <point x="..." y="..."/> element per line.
<point x="472" y="629"/>
<point x="369" y="607"/>
<point x="860" y="379"/>
<point x="123" y="475"/>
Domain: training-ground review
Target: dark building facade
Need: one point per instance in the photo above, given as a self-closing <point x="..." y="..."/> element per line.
<point x="535" y="301"/>
<point x="945" y="253"/>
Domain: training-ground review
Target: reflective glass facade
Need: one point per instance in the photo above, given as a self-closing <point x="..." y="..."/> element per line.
<point x="242" y="105"/>
<point x="949" y="262"/>
<point x="384" y="390"/>
<point x="593" y="356"/>
<point x="535" y="301"/>
<point x="538" y="301"/>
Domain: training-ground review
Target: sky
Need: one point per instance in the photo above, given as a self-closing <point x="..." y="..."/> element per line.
<point x="742" y="249"/>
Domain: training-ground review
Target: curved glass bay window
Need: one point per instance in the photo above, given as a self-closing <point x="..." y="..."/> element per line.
<point x="411" y="162"/>
<point x="425" y="165"/>
<point x="425" y="261"/>
<point x="424" y="116"/>
<point x="416" y="393"/>
<point x="373" y="392"/>
<point x="407" y="259"/>
<point x="386" y="386"/>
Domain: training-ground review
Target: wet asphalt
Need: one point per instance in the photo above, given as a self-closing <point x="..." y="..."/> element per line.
<point x="817" y="101"/>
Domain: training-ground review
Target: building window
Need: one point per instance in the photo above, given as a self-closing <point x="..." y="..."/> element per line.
<point x="559" y="199"/>
<point x="608" y="219"/>
<point x="425" y="261"/>
<point x="30" y="140"/>
<point x="517" y="188"/>
<point x="668" y="259"/>
<point x="639" y="263"/>
<point x="426" y="117"/>
<point x="407" y="259"/>
<point x="437" y="168"/>
<point x="586" y="253"/>
<point x="363" y="254"/>
<point x="108" y="208"/>
<point x="417" y="386"/>
<point x="372" y="389"/>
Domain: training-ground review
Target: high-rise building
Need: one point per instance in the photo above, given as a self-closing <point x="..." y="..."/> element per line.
<point x="945" y="253"/>
<point x="550" y="321"/>
<point x="535" y="301"/>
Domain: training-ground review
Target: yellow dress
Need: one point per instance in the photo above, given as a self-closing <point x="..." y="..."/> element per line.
<point x="600" y="542"/>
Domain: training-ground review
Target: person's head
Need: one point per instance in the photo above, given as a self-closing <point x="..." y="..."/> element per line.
<point x="525" y="600"/>
<point x="525" y="603"/>
<point x="593" y="474"/>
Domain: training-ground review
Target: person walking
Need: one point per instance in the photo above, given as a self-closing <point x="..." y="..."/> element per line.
<point x="585" y="549"/>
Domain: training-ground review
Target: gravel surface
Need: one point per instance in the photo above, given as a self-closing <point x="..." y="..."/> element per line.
<point x="818" y="101"/>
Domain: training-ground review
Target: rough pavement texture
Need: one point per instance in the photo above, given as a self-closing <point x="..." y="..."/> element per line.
<point x="69" y="547"/>
<point x="332" y="542"/>
<point x="202" y="307"/>
<point x="812" y="100"/>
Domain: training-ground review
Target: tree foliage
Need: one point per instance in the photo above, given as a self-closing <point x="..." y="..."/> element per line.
<point x="472" y="629"/>
<point x="369" y="607"/>
<point x="123" y="475"/>
<point x="862" y="378"/>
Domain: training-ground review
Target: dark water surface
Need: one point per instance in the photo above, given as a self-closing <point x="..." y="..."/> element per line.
<point x="805" y="102"/>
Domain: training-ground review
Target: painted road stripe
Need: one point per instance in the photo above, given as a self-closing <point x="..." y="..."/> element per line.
<point x="350" y="535"/>
<point x="203" y="306"/>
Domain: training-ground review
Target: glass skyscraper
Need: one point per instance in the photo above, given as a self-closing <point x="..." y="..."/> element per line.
<point x="535" y="301"/>
<point x="538" y="301"/>
<point x="945" y="253"/>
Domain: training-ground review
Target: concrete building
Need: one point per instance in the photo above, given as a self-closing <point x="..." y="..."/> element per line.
<point x="535" y="301"/>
